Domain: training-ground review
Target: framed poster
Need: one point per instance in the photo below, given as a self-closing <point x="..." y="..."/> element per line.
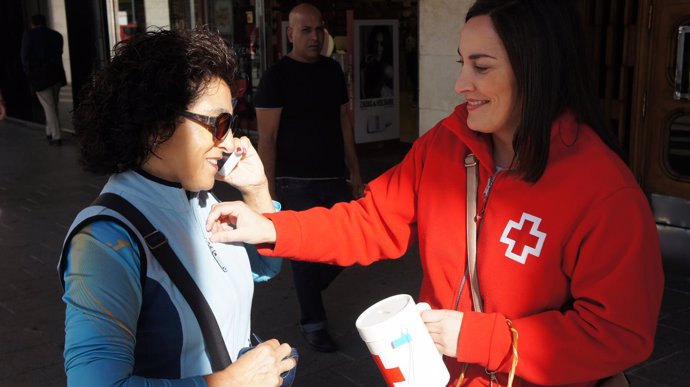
<point x="376" y="91"/>
<point x="286" y="45"/>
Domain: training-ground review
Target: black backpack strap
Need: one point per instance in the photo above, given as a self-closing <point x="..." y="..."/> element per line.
<point x="164" y="254"/>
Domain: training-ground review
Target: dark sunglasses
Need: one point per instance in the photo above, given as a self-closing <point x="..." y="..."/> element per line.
<point x="219" y="126"/>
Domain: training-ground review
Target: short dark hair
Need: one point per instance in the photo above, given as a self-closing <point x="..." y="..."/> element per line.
<point x="137" y="99"/>
<point x="38" y="20"/>
<point x="544" y="42"/>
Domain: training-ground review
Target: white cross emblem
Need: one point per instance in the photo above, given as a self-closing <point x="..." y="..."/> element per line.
<point x="526" y="238"/>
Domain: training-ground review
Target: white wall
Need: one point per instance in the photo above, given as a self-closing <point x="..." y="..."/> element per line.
<point x="440" y="22"/>
<point x="157" y="13"/>
<point x="57" y="20"/>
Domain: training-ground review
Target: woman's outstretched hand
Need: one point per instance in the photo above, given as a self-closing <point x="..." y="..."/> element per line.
<point x="260" y="367"/>
<point x="236" y="222"/>
<point x="444" y="327"/>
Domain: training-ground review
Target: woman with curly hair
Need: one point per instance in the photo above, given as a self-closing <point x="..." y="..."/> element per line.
<point x="158" y="119"/>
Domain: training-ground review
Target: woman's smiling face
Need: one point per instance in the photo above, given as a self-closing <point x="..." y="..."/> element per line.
<point x="487" y="80"/>
<point x="190" y="157"/>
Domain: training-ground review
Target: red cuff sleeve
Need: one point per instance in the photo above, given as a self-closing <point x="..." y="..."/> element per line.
<point x="485" y="339"/>
<point x="288" y="238"/>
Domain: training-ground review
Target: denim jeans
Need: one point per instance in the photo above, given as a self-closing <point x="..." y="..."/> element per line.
<point x="312" y="278"/>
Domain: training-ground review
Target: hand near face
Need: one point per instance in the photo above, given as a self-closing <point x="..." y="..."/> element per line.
<point x="260" y="367"/>
<point x="444" y="327"/>
<point x="248" y="175"/>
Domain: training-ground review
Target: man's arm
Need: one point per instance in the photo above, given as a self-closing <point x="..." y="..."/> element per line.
<point x="268" y="120"/>
<point x="350" y="152"/>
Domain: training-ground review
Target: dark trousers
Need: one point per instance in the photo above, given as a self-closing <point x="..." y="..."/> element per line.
<point x="312" y="278"/>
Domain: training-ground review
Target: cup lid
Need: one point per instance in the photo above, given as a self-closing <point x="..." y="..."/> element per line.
<point x="383" y="311"/>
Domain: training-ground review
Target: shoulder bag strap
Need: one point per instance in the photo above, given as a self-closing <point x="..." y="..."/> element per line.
<point x="164" y="254"/>
<point x="472" y="183"/>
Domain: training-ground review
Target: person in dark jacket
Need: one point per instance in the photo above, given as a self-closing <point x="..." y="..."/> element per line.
<point x="42" y="61"/>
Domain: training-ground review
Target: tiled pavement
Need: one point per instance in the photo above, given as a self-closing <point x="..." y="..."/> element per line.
<point x="42" y="188"/>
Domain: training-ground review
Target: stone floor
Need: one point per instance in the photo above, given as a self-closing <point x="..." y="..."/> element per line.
<point x="42" y="188"/>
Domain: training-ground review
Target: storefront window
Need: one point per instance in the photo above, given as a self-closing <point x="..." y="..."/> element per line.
<point x="220" y="17"/>
<point x="237" y="22"/>
<point x="131" y="18"/>
<point x="217" y="14"/>
<point x="187" y="13"/>
<point x="246" y="44"/>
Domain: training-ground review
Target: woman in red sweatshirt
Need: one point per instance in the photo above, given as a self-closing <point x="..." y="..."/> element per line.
<point x="568" y="257"/>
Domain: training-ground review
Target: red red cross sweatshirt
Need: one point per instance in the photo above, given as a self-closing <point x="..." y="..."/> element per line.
<point x="572" y="260"/>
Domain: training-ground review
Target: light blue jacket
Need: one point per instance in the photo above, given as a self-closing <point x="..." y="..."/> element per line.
<point x="114" y="329"/>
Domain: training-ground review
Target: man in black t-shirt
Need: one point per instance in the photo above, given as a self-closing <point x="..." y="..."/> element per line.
<point x="307" y="146"/>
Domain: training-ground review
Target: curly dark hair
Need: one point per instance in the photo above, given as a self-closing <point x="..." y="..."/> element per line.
<point x="136" y="100"/>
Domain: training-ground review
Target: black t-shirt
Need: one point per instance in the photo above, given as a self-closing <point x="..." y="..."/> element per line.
<point x="310" y="139"/>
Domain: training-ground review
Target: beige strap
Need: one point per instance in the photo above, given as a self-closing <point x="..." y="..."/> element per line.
<point x="472" y="182"/>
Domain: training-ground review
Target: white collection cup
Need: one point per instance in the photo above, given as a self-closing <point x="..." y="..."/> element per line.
<point x="400" y="344"/>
